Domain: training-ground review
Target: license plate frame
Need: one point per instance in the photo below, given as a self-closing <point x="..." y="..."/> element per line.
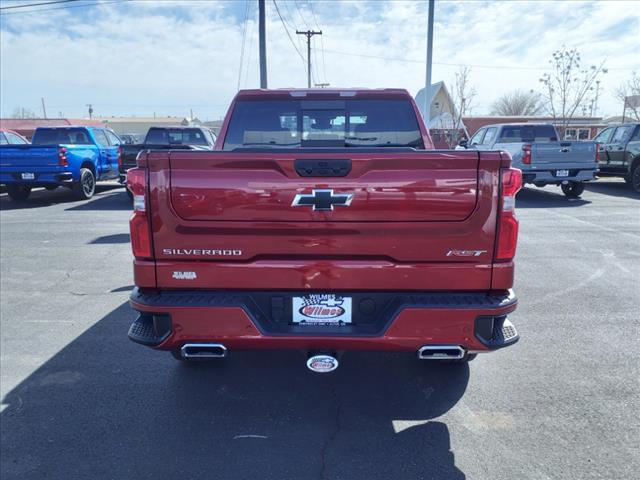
<point x="562" y="173"/>
<point x="322" y="309"/>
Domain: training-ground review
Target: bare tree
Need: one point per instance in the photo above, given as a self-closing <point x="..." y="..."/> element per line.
<point x="630" y="88"/>
<point x="462" y="96"/>
<point x="22" y="112"/>
<point x="518" y="103"/>
<point x="569" y="87"/>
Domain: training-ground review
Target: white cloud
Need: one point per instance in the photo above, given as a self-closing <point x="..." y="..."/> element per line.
<point x="168" y="57"/>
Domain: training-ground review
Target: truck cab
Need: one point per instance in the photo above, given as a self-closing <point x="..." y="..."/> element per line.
<point x="620" y="153"/>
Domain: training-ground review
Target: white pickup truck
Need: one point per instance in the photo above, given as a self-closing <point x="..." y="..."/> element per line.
<point x="544" y="160"/>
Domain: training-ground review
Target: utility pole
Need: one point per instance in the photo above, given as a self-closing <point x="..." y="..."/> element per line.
<point x="309" y="34"/>
<point x="427" y="89"/>
<point x="90" y="105"/>
<point x="44" y="111"/>
<point x="262" y="34"/>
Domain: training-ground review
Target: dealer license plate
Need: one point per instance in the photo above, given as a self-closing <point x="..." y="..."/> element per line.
<point x="562" y="173"/>
<point x="322" y="309"/>
<point x="28" y="176"/>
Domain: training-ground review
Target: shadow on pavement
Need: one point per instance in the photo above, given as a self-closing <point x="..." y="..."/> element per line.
<point x="44" y="198"/>
<point x="613" y="188"/>
<point x="115" y="201"/>
<point x="116" y="238"/>
<point x="534" y="197"/>
<point x="104" y="407"/>
<point x="126" y="288"/>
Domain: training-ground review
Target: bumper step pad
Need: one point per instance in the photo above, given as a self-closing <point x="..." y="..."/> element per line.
<point x="496" y="332"/>
<point x="150" y="330"/>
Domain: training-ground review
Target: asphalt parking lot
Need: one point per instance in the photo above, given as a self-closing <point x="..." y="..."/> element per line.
<point x="79" y="400"/>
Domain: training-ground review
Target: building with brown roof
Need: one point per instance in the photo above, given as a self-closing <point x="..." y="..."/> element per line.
<point x="579" y="128"/>
<point x="26" y="126"/>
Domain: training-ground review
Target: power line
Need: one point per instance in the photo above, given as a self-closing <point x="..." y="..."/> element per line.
<point x="408" y="60"/>
<point x="309" y="34"/>
<point x="64" y="7"/>
<point x="304" y="20"/>
<point x="313" y="70"/>
<point x="291" y="23"/>
<point x="25" y="5"/>
<point x="475" y="65"/>
<point x="315" y="19"/>
<point x="315" y="59"/>
<point x="287" y="31"/>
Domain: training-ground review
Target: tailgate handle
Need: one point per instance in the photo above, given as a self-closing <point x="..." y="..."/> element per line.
<point x="334" y="167"/>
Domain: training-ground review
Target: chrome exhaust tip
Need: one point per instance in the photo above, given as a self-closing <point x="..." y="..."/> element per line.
<point x="203" y="350"/>
<point x="441" y="352"/>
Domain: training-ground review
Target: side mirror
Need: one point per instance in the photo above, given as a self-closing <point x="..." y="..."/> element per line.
<point x="463" y="143"/>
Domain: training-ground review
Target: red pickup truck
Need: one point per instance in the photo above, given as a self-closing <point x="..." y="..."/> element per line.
<point x="324" y="221"/>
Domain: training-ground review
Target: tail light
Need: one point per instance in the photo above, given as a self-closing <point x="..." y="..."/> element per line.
<point x="598" y="147"/>
<point x="139" y="221"/>
<point x="120" y="149"/>
<point x="62" y="157"/>
<point x="526" y="154"/>
<point x="510" y="183"/>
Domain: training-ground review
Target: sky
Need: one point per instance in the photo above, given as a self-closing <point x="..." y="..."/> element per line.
<point x="144" y="57"/>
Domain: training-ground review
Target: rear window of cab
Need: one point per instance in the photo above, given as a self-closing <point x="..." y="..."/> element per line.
<point x="57" y="136"/>
<point x="323" y="123"/>
<point x="528" y="133"/>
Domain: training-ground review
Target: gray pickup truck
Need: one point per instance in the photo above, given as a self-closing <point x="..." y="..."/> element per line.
<point x="543" y="159"/>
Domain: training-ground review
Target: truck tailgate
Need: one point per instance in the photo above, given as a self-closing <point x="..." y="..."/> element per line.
<point x="418" y="220"/>
<point x="564" y="154"/>
<point x="24" y="156"/>
<point x="385" y="188"/>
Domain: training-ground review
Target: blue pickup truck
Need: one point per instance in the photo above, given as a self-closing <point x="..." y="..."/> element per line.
<point x="72" y="157"/>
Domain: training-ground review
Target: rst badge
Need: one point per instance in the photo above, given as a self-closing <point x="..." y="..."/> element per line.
<point x="465" y="253"/>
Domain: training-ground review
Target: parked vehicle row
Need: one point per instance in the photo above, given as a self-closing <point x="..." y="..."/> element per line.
<point x="543" y="159"/>
<point x="78" y="157"/>
<point x="535" y="149"/>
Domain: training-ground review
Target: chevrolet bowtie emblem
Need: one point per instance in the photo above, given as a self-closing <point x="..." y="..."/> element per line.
<point x="322" y="200"/>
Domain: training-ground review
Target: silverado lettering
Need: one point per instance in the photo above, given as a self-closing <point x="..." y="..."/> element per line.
<point x="198" y="251"/>
<point x="417" y="255"/>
